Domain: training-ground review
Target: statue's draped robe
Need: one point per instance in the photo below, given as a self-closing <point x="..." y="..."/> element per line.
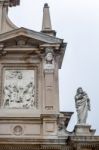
<point x="82" y="109"/>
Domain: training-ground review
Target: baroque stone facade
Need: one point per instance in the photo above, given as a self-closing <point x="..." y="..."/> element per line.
<point x="29" y="93"/>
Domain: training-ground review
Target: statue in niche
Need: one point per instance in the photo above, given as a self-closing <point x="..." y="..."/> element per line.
<point x="19" y="89"/>
<point x="82" y="103"/>
<point x="49" y="60"/>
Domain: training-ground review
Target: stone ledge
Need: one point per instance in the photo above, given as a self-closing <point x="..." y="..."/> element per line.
<point x="83" y="130"/>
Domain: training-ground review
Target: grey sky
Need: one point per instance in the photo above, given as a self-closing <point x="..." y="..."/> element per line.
<point x="77" y="22"/>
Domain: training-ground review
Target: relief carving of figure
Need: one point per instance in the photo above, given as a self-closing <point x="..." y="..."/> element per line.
<point x="7" y="92"/>
<point x="29" y="95"/>
<point x="19" y="89"/>
<point x="82" y="103"/>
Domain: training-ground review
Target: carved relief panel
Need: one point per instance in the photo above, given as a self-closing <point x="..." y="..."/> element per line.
<point x="19" y="90"/>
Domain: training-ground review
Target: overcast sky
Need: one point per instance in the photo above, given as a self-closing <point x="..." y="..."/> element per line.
<point x="77" y="22"/>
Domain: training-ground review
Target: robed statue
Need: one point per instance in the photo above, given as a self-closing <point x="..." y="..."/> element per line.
<point x="82" y="103"/>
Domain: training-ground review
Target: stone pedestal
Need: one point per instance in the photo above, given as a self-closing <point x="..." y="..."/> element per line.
<point x="83" y="130"/>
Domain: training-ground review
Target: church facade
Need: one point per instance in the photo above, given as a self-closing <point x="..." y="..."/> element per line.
<point x="29" y="91"/>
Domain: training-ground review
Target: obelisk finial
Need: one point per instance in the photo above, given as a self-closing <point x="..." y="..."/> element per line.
<point x="46" y="24"/>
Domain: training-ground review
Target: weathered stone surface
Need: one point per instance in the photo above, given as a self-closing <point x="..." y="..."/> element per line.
<point x="83" y="130"/>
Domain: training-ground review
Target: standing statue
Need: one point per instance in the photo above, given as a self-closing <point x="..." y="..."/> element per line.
<point x="82" y="103"/>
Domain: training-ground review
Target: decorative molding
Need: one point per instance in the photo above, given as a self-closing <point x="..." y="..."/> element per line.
<point x="42" y="38"/>
<point x="19" y="147"/>
<point x="49" y="108"/>
<point x="18" y="130"/>
<point x="2" y="52"/>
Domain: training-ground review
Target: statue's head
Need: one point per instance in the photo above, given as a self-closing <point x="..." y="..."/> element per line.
<point x="80" y="90"/>
<point x="49" y="54"/>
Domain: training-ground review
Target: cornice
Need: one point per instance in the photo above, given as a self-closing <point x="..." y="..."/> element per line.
<point x="30" y="34"/>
